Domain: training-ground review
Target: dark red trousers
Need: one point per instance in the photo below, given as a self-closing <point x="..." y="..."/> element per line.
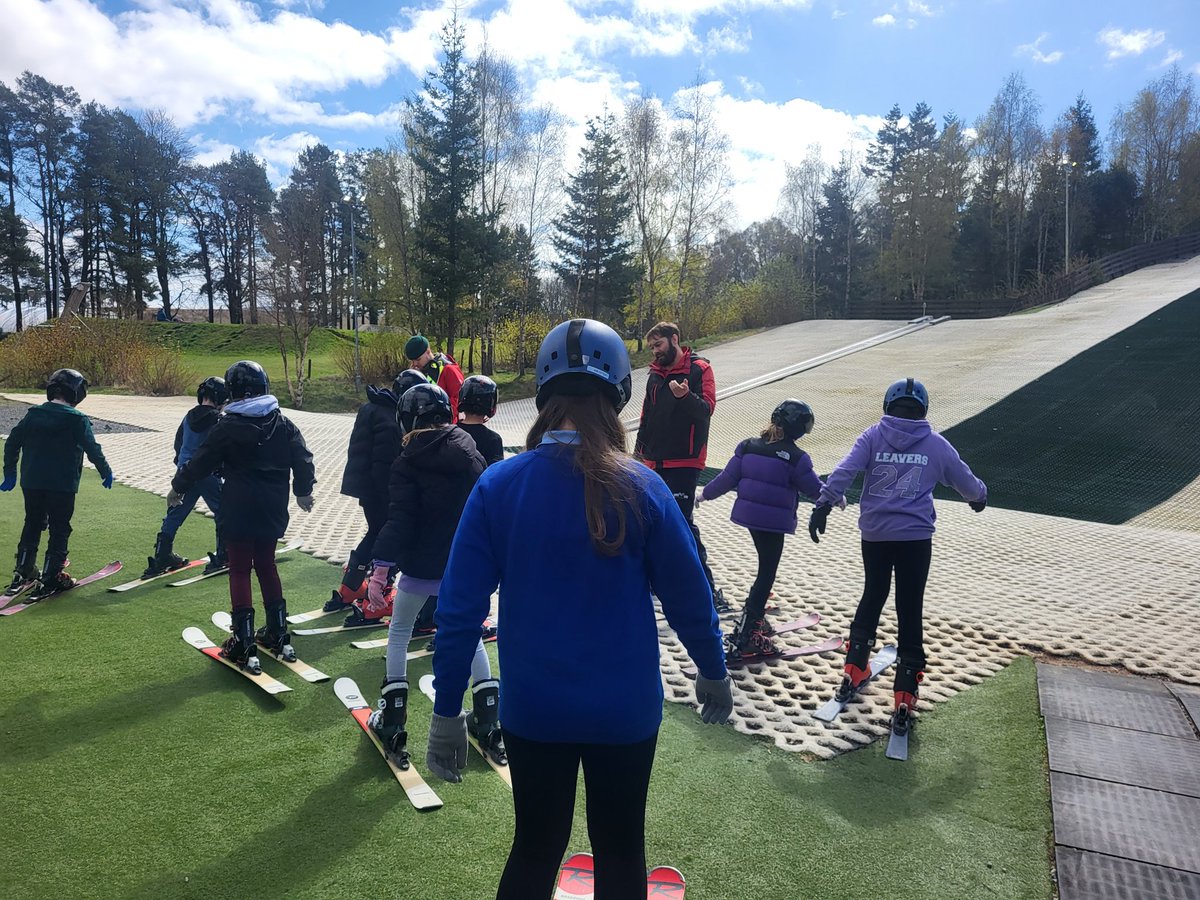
<point x="259" y="556"/>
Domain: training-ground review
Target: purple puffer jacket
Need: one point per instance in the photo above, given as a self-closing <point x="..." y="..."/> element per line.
<point x="768" y="479"/>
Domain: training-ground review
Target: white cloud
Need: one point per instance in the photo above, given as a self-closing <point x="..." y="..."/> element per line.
<point x="279" y="154"/>
<point x="920" y="9"/>
<point x="838" y="14"/>
<point x="1129" y="43"/>
<point x="1173" y="56"/>
<point x="749" y="86"/>
<point x="884" y="21"/>
<point x="727" y="39"/>
<point x="1034" y="51"/>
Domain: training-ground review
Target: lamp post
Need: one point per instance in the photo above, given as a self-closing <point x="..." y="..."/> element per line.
<point x="354" y="295"/>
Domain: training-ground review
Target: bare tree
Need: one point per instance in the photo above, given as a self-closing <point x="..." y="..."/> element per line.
<point x="800" y="203"/>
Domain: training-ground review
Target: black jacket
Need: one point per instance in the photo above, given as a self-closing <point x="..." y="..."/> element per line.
<point x="374" y="445"/>
<point x="489" y="443"/>
<point x="431" y="480"/>
<point x="259" y="455"/>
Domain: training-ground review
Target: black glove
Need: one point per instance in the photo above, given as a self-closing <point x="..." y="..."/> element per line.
<point x="978" y="505"/>
<point x="816" y="522"/>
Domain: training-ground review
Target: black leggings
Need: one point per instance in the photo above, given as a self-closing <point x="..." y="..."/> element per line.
<point x="769" y="545"/>
<point x="910" y="559"/>
<point x="53" y="510"/>
<point x="616" y="779"/>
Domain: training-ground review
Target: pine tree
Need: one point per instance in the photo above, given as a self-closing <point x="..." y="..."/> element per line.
<point x="595" y="257"/>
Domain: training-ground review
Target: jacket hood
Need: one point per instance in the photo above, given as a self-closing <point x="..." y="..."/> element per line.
<point x="682" y="364"/>
<point x="903" y="433"/>
<point x="202" y="418"/>
<point x="254" y="406"/>
<point x="382" y="396"/>
<point x="265" y="425"/>
<point x="446" y="449"/>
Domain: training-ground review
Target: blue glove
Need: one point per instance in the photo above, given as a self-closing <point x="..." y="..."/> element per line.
<point x="107" y="482"/>
<point x="446" y="753"/>
<point x="10" y="482"/>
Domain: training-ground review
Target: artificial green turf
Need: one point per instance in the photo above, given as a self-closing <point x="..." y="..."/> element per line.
<point x="132" y="766"/>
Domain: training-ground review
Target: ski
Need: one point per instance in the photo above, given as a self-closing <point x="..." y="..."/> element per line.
<point x="797" y="624"/>
<point x="111" y="569"/>
<point x="901" y="727"/>
<point x="833" y="707"/>
<point x="489" y="637"/>
<point x="200" y="641"/>
<point x="576" y="881"/>
<point x="294" y="545"/>
<point x="825" y="646"/>
<point x="320" y="613"/>
<point x="130" y="585"/>
<point x="419" y="793"/>
<point x="426" y="685"/>
<point x="19" y="591"/>
<point x="665" y="881"/>
<point x="376" y="643"/>
<point x="334" y="629"/>
<point x="224" y="621"/>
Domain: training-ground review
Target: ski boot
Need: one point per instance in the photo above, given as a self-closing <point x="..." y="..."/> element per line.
<point x="54" y="580"/>
<point x="26" y="569"/>
<point x="360" y="616"/>
<point x="906" y="686"/>
<point x="345" y="596"/>
<point x="274" y="635"/>
<point x="750" y="641"/>
<point x="857" y="668"/>
<point x="720" y="604"/>
<point x="484" y="721"/>
<point x="388" y="722"/>
<point x="218" y="560"/>
<point x="239" y="647"/>
<point x="165" y="559"/>
<point x="424" y="624"/>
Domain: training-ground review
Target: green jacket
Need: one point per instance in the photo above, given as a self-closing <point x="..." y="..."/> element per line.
<point x="54" y="437"/>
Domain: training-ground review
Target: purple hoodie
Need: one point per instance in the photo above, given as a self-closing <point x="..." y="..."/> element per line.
<point x="904" y="459"/>
<point x="768" y="479"/>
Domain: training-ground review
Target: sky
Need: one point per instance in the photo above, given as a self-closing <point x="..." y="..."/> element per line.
<point x="273" y="77"/>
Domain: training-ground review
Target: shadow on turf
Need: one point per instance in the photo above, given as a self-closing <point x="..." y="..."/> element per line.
<point x="257" y="867"/>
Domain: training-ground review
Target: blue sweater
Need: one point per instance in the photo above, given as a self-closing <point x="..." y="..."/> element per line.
<point x="579" y="643"/>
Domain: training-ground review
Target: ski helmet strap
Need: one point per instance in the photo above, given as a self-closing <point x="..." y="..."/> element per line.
<point x="908" y="389"/>
<point x="574" y="347"/>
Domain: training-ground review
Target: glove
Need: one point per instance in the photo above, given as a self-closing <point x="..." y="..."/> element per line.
<point x="715" y="698"/>
<point x="107" y="481"/>
<point x="978" y="505"/>
<point x="174" y="498"/>
<point x="305" y="502"/>
<point x="816" y="522"/>
<point x="446" y="754"/>
<point x="378" y="603"/>
<point x="10" y="482"/>
<point x="699" y="496"/>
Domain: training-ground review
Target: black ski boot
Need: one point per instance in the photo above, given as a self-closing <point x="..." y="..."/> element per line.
<point x="484" y="721"/>
<point x="218" y="560"/>
<point x="54" y="580"/>
<point x="720" y="604"/>
<point x="347" y="593"/>
<point x="906" y="687"/>
<point x="26" y="569"/>
<point x="274" y="635"/>
<point x="391" y="718"/>
<point x="165" y="559"/>
<point x="750" y="641"/>
<point x="357" y="618"/>
<point x="239" y="647"/>
<point x="857" y="668"/>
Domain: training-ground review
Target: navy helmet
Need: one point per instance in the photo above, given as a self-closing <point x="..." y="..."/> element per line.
<point x="581" y="356"/>
<point x="907" y="389"/>
<point x="213" y="389"/>
<point x="407" y="379"/>
<point x="66" y="384"/>
<point x="795" y="417"/>
<point x="246" y="378"/>
<point x="478" y="395"/>
<point x="424" y="406"/>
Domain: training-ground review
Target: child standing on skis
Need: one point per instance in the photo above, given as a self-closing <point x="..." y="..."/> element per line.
<point x="903" y="459"/>
<point x="477" y="402"/>
<point x="210" y="397"/>
<point x="260" y="451"/>
<point x="430" y="482"/>
<point x="51" y="441"/>
<point x="769" y="474"/>
<point x="576" y="534"/>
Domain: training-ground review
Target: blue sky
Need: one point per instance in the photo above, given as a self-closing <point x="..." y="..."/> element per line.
<point x="272" y="77"/>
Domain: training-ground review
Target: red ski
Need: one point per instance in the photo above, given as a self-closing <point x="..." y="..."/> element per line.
<point x="833" y="643"/>
<point x="111" y="569"/>
<point x="665" y="881"/>
<point x="13" y="593"/>
<point x="576" y="880"/>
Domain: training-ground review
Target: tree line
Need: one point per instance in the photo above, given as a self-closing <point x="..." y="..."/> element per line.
<point x="471" y="224"/>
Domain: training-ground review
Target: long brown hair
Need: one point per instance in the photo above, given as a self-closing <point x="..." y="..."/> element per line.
<point x="600" y="456"/>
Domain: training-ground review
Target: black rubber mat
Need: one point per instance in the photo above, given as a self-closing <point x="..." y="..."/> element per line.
<point x="1094" y="876"/>
<point x="1190" y="698"/>
<point x="1114" y="680"/>
<point x="1159" y="712"/>
<point x="1127" y="757"/>
<point x="1122" y="820"/>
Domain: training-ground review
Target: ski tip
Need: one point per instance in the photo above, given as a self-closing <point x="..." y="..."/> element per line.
<point x="347" y="691"/>
<point x="222" y="620"/>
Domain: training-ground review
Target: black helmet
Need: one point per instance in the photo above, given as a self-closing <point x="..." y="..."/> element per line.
<point x="407" y="379"/>
<point x="424" y="406"/>
<point x="581" y="356"/>
<point x="795" y="417"/>
<point x="213" y="389"/>
<point x="67" y="384"/>
<point x="246" y="379"/>
<point x="478" y="395"/>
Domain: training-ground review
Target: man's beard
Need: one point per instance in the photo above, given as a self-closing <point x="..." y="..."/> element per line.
<point x="668" y="356"/>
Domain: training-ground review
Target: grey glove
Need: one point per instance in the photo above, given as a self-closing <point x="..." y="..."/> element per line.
<point x="173" y="498"/>
<point x="446" y="754"/>
<point x="715" y="698"/>
<point x="305" y="502"/>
